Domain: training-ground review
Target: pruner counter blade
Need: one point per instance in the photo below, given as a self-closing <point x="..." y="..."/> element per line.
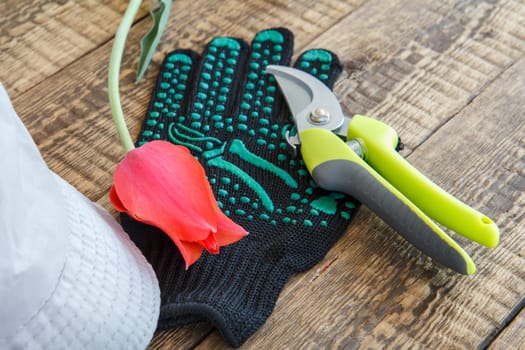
<point x="368" y="168"/>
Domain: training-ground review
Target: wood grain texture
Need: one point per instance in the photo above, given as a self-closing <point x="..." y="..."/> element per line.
<point x="66" y="110"/>
<point x="414" y="64"/>
<point x="39" y="38"/>
<point x="373" y="290"/>
<point x="512" y="335"/>
<point x="417" y="67"/>
<point x="70" y="110"/>
<point x="185" y="337"/>
<point x="448" y="75"/>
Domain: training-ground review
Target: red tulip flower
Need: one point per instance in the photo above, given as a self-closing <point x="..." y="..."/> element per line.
<point x="163" y="185"/>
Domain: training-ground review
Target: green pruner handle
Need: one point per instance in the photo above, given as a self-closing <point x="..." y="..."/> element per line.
<point x="380" y="141"/>
<point x="334" y="166"/>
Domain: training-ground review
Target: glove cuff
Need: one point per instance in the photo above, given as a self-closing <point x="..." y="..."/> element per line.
<point x="235" y="297"/>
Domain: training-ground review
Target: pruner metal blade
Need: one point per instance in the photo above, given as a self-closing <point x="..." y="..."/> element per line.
<point x="312" y="104"/>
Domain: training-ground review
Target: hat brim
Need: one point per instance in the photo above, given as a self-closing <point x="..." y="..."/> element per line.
<point x="107" y="296"/>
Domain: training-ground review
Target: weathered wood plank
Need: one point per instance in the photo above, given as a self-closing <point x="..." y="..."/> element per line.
<point x="375" y="291"/>
<point x="512" y="336"/>
<point x="413" y="64"/>
<point x="66" y="108"/>
<point x="65" y="115"/>
<point x="185" y="337"/>
<point x="39" y="38"/>
<point x="416" y="66"/>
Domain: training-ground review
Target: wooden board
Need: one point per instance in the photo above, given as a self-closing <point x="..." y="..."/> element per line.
<point x="39" y="38"/>
<point x="428" y="80"/>
<point x="512" y="335"/>
<point x="448" y="75"/>
<point x="69" y="110"/>
<point x="375" y="291"/>
<point x="68" y="114"/>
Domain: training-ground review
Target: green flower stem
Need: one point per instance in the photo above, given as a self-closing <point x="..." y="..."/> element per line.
<point x="114" y="74"/>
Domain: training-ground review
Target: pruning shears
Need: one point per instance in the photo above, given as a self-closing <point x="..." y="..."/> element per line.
<point x="367" y="167"/>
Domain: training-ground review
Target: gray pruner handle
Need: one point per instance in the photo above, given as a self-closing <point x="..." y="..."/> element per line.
<point x="335" y="167"/>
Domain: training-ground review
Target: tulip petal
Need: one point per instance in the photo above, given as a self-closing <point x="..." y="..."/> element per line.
<point x="190" y="252"/>
<point x="113" y="197"/>
<point x="227" y="230"/>
<point x="163" y="184"/>
<point x="210" y="244"/>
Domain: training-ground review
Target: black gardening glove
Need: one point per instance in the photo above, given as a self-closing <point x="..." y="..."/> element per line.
<point x="231" y="115"/>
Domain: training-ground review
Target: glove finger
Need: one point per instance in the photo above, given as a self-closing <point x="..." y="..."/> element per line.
<point x="169" y="96"/>
<point x="249" y="147"/>
<point x="212" y="99"/>
<point x="258" y="96"/>
<point x="322" y="64"/>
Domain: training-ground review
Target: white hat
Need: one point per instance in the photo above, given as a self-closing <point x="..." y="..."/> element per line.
<point x="70" y="278"/>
